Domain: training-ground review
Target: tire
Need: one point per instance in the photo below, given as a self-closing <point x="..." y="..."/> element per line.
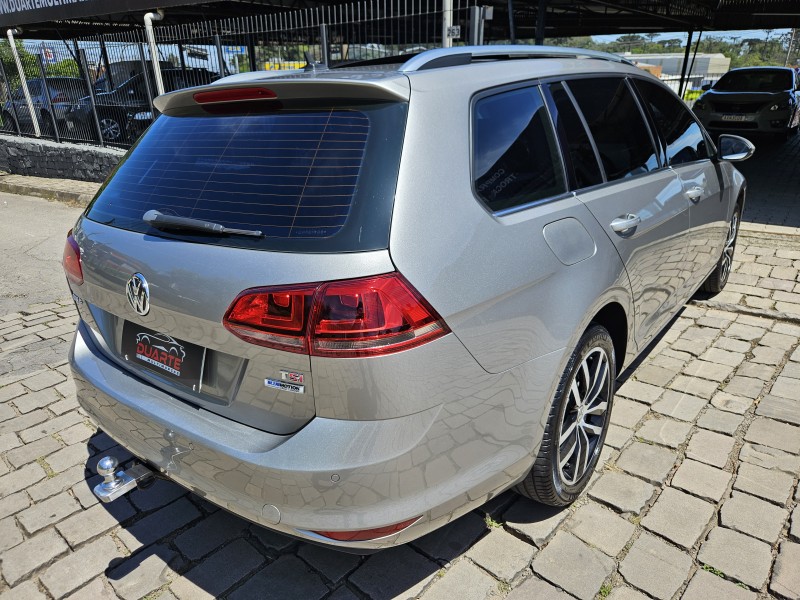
<point x="8" y="123"/>
<point x="112" y="127"/>
<point x="558" y="481"/>
<point x="719" y="276"/>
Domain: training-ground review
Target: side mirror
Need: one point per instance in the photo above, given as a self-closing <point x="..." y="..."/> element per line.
<point x="735" y="148"/>
<point x="706" y="87"/>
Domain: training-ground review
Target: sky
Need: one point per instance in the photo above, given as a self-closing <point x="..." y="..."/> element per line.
<point x="741" y="34"/>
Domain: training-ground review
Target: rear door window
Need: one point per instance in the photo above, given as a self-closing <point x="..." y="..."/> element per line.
<point x="515" y="157"/>
<point x="619" y="130"/>
<point x="677" y="128"/>
<point x="317" y="180"/>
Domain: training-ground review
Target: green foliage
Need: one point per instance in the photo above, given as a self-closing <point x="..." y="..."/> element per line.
<point x="63" y="68"/>
<point x="713" y="571"/>
<point x="605" y="590"/>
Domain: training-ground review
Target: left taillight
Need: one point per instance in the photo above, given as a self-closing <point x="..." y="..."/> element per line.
<point x="369" y="316"/>
<point x="71" y="260"/>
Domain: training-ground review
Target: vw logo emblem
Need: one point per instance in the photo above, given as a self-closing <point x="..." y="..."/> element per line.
<point x="138" y="293"/>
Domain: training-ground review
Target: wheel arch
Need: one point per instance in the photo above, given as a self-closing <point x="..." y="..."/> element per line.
<point x="615" y="320"/>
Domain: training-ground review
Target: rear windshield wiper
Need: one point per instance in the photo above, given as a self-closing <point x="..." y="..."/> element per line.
<point x="161" y="221"/>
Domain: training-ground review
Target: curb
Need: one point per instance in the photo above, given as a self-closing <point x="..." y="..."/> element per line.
<point x="67" y="197"/>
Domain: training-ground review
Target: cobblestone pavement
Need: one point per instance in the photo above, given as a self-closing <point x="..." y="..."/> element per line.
<point x="696" y="495"/>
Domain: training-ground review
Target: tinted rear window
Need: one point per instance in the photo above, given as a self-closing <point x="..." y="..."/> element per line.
<point x="318" y="180"/>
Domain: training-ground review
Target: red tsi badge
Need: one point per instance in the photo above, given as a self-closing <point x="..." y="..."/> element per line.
<point x="161" y="351"/>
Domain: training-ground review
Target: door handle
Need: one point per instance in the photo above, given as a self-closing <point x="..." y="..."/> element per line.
<point x="695" y="193"/>
<point x="625" y="223"/>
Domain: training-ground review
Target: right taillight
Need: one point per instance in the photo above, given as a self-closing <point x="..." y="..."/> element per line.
<point x="358" y="317"/>
<point x="71" y="260"/>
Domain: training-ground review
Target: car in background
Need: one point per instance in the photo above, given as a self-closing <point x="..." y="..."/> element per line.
<point x="63" y="92"/>
<point x="752" y="100"/>
<point x="125" y="112"/>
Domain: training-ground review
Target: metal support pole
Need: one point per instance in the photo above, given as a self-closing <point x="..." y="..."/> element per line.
<point x="182" y="58"/>
<point x="512" y="28"/>
<point x="47" y="100"/>
<point x="325" y="48"/>
<point x="447" y="23"/>
<point x="151" y="39"/>
<point x="220" y="56"/>
<point x="685" y="63"/>
<point x="541" y="12"/>
<point x="146" y="77"/>
<point x="474" y="25"/>
<point x="10" y="97"/>
<point x="76" y="56"/>
<point x="106" y="64"/>
<point x="23" y="80"/>
<point x="789" y="49"/>
<point x="251" y="54"/>
<point x="85" y="69"/>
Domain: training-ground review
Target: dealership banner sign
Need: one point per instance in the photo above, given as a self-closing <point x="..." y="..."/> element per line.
<point x="20" y="12"/>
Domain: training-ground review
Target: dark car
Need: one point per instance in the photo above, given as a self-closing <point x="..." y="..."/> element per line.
<point x="125" y="111"/>
<point x="752" y="100"/>
<point x="64" y="91"/>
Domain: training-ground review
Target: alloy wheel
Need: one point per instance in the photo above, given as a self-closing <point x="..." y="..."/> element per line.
<point x="730" y="246"/>
<point x="584" y="416"/>
<point x="110" y="128"/>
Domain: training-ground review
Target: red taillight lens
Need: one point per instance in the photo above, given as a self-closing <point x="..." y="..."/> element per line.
<point x="234" y="95"/>
<point x="59" y="98"/>
<point x="359" y="317"/>
<point x="361" y="535"/>
<point x="274" y="317"/>
<point x="71" y="260"/>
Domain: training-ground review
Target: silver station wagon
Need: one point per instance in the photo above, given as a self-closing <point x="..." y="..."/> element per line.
<point x="353" y="304"/>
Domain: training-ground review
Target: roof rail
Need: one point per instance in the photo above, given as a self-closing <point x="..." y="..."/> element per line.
<point x="464" y="55"/>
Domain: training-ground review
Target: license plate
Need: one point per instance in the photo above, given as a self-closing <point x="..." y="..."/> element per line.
<point x="174" y="359"/>
<point x="735" y="118"/>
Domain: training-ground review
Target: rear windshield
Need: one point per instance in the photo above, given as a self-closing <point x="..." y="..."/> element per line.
<point x="312" y="180"/>
<point x="766" y="80"/>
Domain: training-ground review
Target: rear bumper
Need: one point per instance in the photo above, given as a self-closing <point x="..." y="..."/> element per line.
<point x="333" y="474"/>
<point x="761" y="122"/>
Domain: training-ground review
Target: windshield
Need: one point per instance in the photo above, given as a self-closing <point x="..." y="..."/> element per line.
<point x="762" y="80"/>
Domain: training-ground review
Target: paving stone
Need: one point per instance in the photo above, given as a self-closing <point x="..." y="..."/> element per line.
<point x="24" y="591"/>
<point x="744" y="386"/>
<point x="642" y="392"/>
<point x="141" y="574"/>
<point x="708" y="370"/>
<point x="94" y="590"/>
<point x="10" y="535"/>
<point x="33" y="400"/>
<point x="746" y="333"/>
<point x="13" y="504"/>
<point x="209" y="534"/>
<point x="767" y="356"/>
<point x="774" y="434"/>
<point x="627" y="413"/>
<point x="771" y="485"/>
<point x="42" y="380"/>
<point x="221" y="571"/>
<point x="9" y="441"/>
<point x="730" y="403"/>
<point x="710" y="447"/>
<point x="54" y="485"/>
<point x="464" y="581"/>
<point x="770" y="458"/>
<point x="655" y="567"/>
<point x="780" y="409"/>
<point x="47" y="512"/>
<point x="161" y="493"/>
<point x="786" y="387"/>
<point x="535" y="588"/>
<point x="755" y="517"/>
<point x="30" y="452"/>
<point x="666" y="432"/>
<point x="679" y="517"/>
<point x="370" y="578"/>
<point x="79" y="433"/>
<point x="786" y="574"/>
<point x="763" y="373"/>
<point x="706" y="586"/>
<point x="702" y="480"/>
<point x="9" y="392"/>
<point x="503" y="555"/>
<point x="271" y="539"/>
<point x="654" y="375"/>
<point x="77" y="454"/>
<point x="159" y="524"/>
<point x="626" y="593"/>
<point x="616" y="436"/>
<point x="76" y="569"/>
<point x="720" y="421"/>
<point x="534" y="521"/>
<point x="601" y="528"/>
<point x="31" y="554"/>
<point x="723" y="357"/>
<point x="333" y="564"/>
<point x="94" y="521"/>
<point x="795" y="529"/>
<point x="22" y="423"/>
<point x="20" y="479"/>
<point x="446" y="543"/>
<point x="557" y="561"/>
<point x="694" y="386"/>
<point x="50" y="426"/>
<point x="342" y="593"/>
<point x="737" y="555"/>
<point x="679" y="405"/>
<point x="778" y="340"/>
<point x="626" y="493"/>
<point x="649" y="462"/>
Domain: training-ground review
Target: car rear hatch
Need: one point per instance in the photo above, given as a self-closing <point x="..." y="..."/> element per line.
<point x="300" y="174"/>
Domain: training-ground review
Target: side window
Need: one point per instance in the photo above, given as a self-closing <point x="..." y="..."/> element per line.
<point x="34" y="88"/>
<point x="676" y="126"/>
<point x="575" y="138"/>
<point x="515" y="158"/>
<point x="617" y="126"/>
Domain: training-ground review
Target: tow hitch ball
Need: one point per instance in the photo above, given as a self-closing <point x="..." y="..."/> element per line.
<point x="117" y="483"/>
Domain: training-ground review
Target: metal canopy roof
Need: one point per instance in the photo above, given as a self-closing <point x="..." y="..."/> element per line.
<point x="68" y="18"/>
